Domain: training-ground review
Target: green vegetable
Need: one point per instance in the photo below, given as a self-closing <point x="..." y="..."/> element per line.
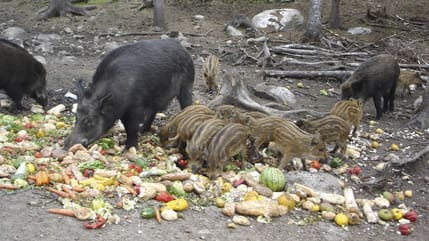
<point x="21" y="172"/>
<point x="142" y="163"/>
<point x="148" y="213"/>
<point x="177" y="189"/>
<point x="106" y="143"/>
<point x="335" y="162"/>
<point x="95" y="164"/>
<point x="37" y="117"/>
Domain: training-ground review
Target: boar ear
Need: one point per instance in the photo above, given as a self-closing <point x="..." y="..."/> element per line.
<point x="103" y="103"/>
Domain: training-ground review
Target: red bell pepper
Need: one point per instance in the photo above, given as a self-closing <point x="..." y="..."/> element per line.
<point x="405" y="229"/>
<point x="411" y="215"/>
<point x="164" y="197"/>
<point x="134" y="169"/>
<point x="99" y="222"/>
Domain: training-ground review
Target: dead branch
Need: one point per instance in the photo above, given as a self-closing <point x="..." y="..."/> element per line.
<point x="339" y="74"/>
<point x="234" y="92"/>
<point x="317" y="52"/>
<point x="286" y="60"/>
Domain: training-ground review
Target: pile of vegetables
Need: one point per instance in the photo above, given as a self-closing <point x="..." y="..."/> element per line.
<point x="90" y="183"/>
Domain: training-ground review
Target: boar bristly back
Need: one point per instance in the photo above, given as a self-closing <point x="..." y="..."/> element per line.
<point x="21" y="74"/>
<point x="132" y="84"/>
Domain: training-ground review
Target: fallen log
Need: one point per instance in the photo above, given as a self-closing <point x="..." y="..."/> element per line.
<point x="234" y="92"/>
<point x="339" y="74"/>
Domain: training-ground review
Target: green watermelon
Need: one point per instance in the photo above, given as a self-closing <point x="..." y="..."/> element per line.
<point x="273" y="178"/>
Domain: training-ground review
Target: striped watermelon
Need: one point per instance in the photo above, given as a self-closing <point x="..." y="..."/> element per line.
<point x="273" y="178"/>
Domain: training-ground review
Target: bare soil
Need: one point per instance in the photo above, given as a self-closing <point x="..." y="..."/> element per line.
<point x="23" y="214"/>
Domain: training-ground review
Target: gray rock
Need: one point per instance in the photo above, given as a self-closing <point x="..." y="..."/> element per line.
<point x="45" y="47"/>
<point x="359" y="30"/>
<point x="279" y="19"/>
<point x="110" y="46"/>
<point x="15" y="33"/>
<point x="41" y="59"/>
<point x="319" y="181"/>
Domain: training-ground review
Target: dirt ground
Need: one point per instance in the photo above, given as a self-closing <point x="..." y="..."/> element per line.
<point x="23" y="214"/>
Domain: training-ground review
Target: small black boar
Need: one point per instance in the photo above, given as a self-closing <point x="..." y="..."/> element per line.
<point x="376" y="78"/>
<point x="132" y="83"/>
<point x="21" y="74"/>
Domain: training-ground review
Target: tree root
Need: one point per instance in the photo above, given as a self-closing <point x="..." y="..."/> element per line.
<point x="59" y="8"/>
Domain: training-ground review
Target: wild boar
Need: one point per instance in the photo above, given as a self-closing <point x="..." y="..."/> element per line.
<point x="332" y="129"/>
<point x="188" y="126"/>
<point x="349" y="110"/>
<point x="407" y="78"/>
<point x="211" y="69"/>
<point x="376" y="78"/>
<point x="21" y="74"/>
<point x="263" y="129"/>
<point x="197" y="147"/>
<point x="291" y="141"/>
<point x="169" y="130"/>
<point x="231" y="140"/>
<point x="132" y="83"/>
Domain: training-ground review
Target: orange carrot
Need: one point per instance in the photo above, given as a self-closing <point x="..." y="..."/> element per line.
<point x="66" y="177"/>
<point x="30" y="177"/>
<point x="131" y="190"/>
<point x="58" y="192"/>
<point x="69" y="192"/>
<point x="8" y="186"/>
<point x="157" y="214"/>
<point x="61" y="211"/>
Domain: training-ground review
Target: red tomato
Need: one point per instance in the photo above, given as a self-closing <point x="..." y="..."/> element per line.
<point x="28" y="125"/>
<point x="103" y="152"/>
<point x="19" y="139"/>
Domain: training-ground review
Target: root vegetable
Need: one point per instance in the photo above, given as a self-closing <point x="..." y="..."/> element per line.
<point x="179" y="176"/>
<point x="260" y="208"/>
<point x="61" y="211"/>
<point x="331" y="198"/>
<point x="307" y="190"/>
<point x="371" y="216"/>
<point x="8" y="186"/>
<point x="58" y="192"/>
<point x="350" y="201"/>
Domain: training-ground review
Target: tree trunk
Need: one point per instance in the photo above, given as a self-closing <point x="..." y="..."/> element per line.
<point x="314" y="25"/>
<point x="334" y="17"/>
<point x="62" y="7"/>
<point x="159" y="16"/>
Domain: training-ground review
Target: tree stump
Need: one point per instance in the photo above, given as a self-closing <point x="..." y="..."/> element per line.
<point x="59" y="8"/>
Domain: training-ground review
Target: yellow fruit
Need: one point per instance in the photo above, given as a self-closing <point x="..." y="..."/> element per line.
<point x="408" y="193"/>
<point x="371" y="122"/>
<point x="226" y="187"/>
<point x="252" y="195"/>
<point x="379" y="131"/>
<point x="179" y="204"/>
<point x="394" y="147"/>
<point x="30" y="168"/>
<point x="341" y="219"/>
<point x="315" y="208"/>
<point x="397" y="213"/>
<point x="300" y="85"/>
<point x="60" y="125"/>
<point x="40" y="133"/>
<point x="220" y="203"/>
<point x="374" y="144"/>
<point x="287" y="201"/>
<point x="400" y="196"/>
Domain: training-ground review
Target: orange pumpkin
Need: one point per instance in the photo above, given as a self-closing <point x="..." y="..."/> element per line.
<point x="42" y="178"/>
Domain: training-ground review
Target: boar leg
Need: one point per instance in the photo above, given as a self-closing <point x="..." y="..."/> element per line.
<point x="16" y="96"/>
<point x="377" y="104"/>
<point x="131" y="124"/>
<point x="185" y="97"/>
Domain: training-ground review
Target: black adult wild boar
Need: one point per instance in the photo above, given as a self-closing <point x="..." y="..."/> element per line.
<point x="374" y="78"/>
<point x="132" y="83"/>
<point x="21" y="74"/>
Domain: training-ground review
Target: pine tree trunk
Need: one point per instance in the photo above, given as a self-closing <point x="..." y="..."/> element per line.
<point x="314" y="25"/>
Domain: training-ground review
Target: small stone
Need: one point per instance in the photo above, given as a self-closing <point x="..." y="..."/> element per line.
<point x="241" y="220"/>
